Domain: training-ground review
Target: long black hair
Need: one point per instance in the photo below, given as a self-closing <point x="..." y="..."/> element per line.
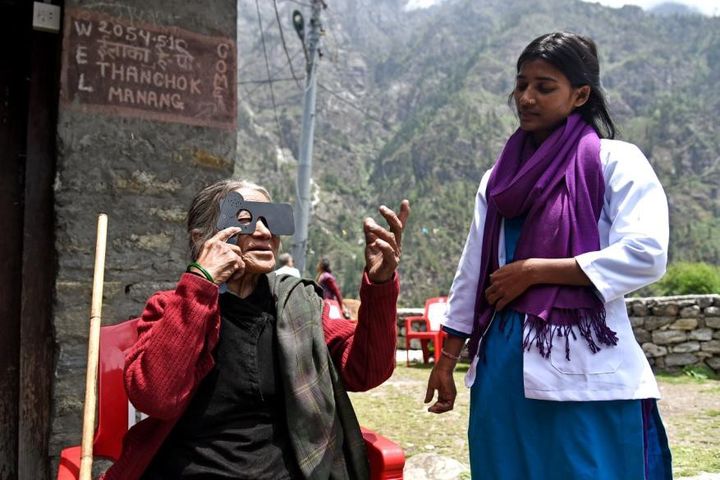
<point x="324" y="265"/>
<point x="576" y="57"/>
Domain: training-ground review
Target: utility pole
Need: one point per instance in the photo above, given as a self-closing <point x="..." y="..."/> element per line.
<point x="302" y="205"/>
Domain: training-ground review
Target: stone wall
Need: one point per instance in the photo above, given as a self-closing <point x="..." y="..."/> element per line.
<point x="678" y="331"/>
<point x="141" y="168"/>
<point x="674" y="332"/>
<point x="402" y="314"/>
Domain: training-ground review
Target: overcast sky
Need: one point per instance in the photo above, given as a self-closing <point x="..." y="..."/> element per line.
<point x="708" y="7"/>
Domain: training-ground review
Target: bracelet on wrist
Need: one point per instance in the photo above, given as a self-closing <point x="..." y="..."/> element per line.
<point x="449" y="355"/>
<point x="200" y="269"/>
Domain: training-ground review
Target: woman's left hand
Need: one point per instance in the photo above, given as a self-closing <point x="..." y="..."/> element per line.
<point x="509" y="282"/>
<point x="383" y="247"/>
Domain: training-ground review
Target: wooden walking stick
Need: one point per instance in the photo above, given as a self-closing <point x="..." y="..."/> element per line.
<point x="88" y="431"/>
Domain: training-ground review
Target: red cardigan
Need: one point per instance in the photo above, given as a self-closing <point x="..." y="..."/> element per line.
<point x="179" y="330"/>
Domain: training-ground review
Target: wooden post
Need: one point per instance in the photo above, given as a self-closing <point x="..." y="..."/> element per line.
<point x="88" y="431"/>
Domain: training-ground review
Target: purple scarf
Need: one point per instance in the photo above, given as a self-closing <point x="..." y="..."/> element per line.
<point x="560" y="189"/>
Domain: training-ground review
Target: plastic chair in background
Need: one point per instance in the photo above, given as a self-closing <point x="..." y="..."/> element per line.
<point x="335" y="312"/>
<point x="431" y="321"/>
<point x="116" y="414"/>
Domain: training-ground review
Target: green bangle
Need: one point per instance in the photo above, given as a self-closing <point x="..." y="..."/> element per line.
<point x="205" y="273"/>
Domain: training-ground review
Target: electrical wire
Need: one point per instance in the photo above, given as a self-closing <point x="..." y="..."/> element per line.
<point x="270" y="79"/>
<point x="300" y="3"/>
<point x="284" y="45"/>
<point x="250" y="93"/>
<point x="265" y="81"/>
<point x="333" y="44"/>
<point x="367" y="114"/>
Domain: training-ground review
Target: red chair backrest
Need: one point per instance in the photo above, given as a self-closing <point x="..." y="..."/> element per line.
<point x="435" y="309"/>
<point x="113" y="416"/>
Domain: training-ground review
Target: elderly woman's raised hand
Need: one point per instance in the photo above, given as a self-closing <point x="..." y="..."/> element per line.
<point x="220" y="258"/>
<point x="383" y="246"/>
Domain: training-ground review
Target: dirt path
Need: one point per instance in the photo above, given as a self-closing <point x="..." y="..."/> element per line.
<point x="683" y="401"/>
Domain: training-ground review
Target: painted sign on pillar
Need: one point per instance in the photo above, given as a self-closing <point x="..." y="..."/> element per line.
<point x="119" y="67"/>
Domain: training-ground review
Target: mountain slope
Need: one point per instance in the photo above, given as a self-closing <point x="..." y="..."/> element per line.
<point x="414" y="104"/>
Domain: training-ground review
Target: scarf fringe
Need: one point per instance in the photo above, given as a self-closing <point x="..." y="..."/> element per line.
<point x="591" y="325"/>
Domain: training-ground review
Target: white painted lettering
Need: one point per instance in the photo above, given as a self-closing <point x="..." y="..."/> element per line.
<point x="114" y="92"/>
<point x="182" y="83"/>
<point x="81" y="55"/>
<point x="158" y="79"/>
<point x="177" y="102"/>
<point x="102" y="65"/>
<point x="170" y="82"/>
<point x="145" y="76"/>
<point x="131" y="74"/>
<point x="145" y="35"/>
<point x="195" y="86"/>
<point x="220" y="81"/>
<point x="141" y="97"/>
<point x="152" y="99"/>
<point x="83" y="28"/>
<point x="82" y="86"/>
<point x="164" y="100"/>
<point x="128" y="96"/>
<point x="103" y="28"/>
<point x="222" y="50"/>
<point x="131" y="35"/>
<point x="117" y="72"/>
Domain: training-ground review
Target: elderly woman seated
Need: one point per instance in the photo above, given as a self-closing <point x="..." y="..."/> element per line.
<point x="249" y="381"/>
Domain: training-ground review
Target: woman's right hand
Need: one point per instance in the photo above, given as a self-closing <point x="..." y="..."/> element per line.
<point x="441" y="379"/>
<point x="220" y="258"/>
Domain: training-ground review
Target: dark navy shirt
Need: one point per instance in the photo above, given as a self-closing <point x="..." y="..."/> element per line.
<point x="235" y="424"/>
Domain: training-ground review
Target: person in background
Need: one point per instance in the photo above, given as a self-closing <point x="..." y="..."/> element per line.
<point x="329" y="285"/>
<point x="251" y="383"/>
<point x="566" y="223"/>
<point x="287" y="265"/>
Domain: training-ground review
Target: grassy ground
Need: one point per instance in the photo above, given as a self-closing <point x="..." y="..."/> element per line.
<point x="691" y="412"/>
<point x="690" y="408"/>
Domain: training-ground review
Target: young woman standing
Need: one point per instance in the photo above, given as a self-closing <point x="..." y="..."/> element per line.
<point x="566" y="223"/>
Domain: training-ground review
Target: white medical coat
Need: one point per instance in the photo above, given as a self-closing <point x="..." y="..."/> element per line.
<point x="634" y="235"/>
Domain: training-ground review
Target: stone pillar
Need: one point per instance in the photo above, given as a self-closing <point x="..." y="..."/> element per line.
<point x="146" y="119"/>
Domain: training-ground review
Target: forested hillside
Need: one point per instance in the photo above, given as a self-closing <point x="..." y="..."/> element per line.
<point x="414" y="104"/>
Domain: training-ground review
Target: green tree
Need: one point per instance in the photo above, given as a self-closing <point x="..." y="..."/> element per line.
<point x="685" y="278"/>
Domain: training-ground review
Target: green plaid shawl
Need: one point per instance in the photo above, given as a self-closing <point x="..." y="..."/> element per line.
<point x="324" y="431"/>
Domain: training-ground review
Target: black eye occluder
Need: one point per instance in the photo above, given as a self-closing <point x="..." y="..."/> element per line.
<point x="277" y="217"/>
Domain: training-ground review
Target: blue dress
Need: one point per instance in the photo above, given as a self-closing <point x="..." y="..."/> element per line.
<point x="515" y="438"/>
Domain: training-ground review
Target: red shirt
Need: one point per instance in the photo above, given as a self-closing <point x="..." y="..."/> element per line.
<point x="178" y="331"/>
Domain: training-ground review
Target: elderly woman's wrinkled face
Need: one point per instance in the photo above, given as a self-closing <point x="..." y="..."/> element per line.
<point x="259" y="248"/>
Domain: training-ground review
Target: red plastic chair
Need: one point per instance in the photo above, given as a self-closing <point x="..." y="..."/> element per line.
<point x="116" y="414"/>
<point x="431" y="321"/>
<point x="336" y="311"/>
<point x="386" y="458"/>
